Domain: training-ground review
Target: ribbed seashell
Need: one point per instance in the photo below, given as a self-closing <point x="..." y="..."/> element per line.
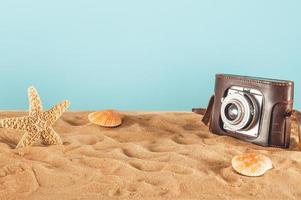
<point x="105" y="118"/>
<point x="251" y="164"/>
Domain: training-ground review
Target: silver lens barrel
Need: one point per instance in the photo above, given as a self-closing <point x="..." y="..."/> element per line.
<point x="244" y="108"/>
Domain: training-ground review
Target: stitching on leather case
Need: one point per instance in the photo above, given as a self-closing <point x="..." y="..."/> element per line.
<point x="253" y="81"/>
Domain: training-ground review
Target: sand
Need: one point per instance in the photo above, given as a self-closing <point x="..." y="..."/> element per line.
<point x="153" y="155"/>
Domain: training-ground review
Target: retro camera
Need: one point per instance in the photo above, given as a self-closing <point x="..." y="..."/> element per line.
<point x="253" y="109"/>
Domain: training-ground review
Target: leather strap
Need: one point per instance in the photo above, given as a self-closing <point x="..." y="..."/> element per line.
<point x="298" y="119"/>
<point x="200" y="111"/>
<point x="207" y="113"/>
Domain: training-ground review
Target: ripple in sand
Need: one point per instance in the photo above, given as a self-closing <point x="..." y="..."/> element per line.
<point x="148" y="166"/>
<point x="82" y="139"/>
<point x="137" y="151"/>
<point x="74" y="120"/>
<point x="179" y="169"/>
<point x="163" y="145"/>
<point x="230" y="177"/>
<point x="186" y="139"/>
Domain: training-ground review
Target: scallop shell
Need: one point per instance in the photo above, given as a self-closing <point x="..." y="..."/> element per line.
<point x="251" y="164"/>
<point x="105" y="118"/>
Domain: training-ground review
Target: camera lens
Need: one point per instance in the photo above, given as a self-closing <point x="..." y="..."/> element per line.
<point x="231" y="111"/>
<point x="238" y="111"/>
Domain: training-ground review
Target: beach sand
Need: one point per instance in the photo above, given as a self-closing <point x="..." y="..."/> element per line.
<point x="152" y="155"/>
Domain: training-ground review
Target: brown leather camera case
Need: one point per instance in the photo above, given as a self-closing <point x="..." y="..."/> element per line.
<point x="275" y="121"/>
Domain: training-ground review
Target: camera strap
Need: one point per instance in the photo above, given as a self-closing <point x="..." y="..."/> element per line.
<point x="207" y="114"/>
<point x="297" y="115"/>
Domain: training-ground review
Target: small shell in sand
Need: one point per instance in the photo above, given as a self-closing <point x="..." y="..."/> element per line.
<point x="105" y="118"/>
<point x="251" y="164"/>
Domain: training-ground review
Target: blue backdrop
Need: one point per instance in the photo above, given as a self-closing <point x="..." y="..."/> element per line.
<point x="149" y="55"/>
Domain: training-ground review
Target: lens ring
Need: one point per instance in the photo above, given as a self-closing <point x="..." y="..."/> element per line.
<point x="246" y="110"/>
<point x="255" y="110"/>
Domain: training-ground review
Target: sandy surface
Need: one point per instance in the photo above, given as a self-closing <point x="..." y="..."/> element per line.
<point x="163" y="155"/>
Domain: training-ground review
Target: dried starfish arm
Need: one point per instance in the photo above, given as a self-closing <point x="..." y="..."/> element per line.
<point x="35" y="103"/>
<point x="37" y="125"/>
<point x="20" y="123"/>
<point x="28" y="139"/>
<point x="49" y="137"/>
<point x="54" y="113"/>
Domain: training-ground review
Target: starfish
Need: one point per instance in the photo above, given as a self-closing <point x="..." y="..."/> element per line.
<point x="38" y="124"/>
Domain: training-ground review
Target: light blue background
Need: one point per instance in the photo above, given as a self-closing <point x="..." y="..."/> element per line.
<point x="142" y="55"/>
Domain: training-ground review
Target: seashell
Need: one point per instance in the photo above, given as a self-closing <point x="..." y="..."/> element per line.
<point x="105" y="118"/>
<point x="251" y="164"/>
